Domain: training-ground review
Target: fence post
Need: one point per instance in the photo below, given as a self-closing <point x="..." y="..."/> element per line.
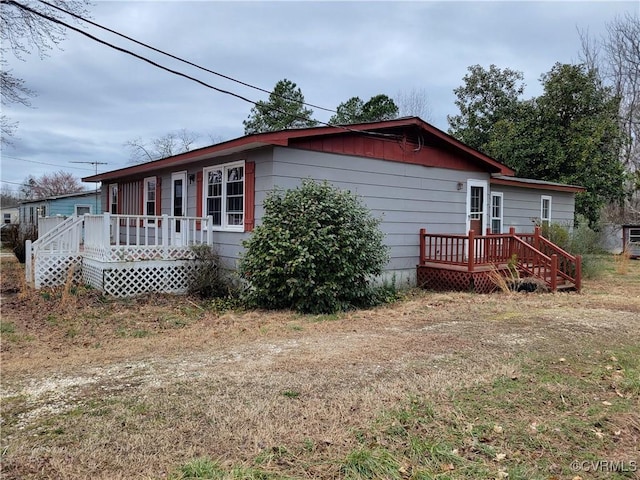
<point x="105" y="237"/>
<point x="472" y="251"/>
<point x="554" y="272"/>
<point x="578" y="279"/>
<point x="423" y="246"/>
<point x="28" y="265"/>
<point x="165" y="235"/>
<point x="512" y="234"/>
<point x="210" y="230"/>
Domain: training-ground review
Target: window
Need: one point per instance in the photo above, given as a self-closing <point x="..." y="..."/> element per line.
<point x="7" y="218"/>
<point x="496" y="212"/>
<point x="113" y="198"/>
<point x="545" y="209"/>
<point x="634" y="235"/>
<point x="82" y="209"/>
<point x="42" y="210"/>
<point x="31" y="215"/>
<point x="150" y="197"/>
<point x="224" y="195"/>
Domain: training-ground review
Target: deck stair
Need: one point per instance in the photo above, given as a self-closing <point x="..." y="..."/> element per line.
<point x="465" y="262"/>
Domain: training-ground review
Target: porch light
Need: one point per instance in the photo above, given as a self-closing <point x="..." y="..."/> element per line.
<point x="460" y="185"/>
<point x="192" y="178"/>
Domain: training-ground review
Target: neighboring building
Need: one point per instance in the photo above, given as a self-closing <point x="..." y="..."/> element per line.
<point x="8" y="215"/>
<point x="631" y="239"/>
<point x="409" y="173"/>
<point x="30" y="211"/>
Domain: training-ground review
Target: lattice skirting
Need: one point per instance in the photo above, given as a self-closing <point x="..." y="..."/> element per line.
<point x="127" y="279"/>
<point x="52" y="270"/>
<point x="441" y="279"/>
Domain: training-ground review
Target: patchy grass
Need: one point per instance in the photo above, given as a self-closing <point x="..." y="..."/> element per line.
<point x="446" y="386"/>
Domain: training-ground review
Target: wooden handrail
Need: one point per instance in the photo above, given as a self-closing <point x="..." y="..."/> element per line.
<point x="536" y="255"/>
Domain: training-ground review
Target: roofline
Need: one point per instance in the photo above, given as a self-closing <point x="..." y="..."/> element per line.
<point x="67" y="195"/>
<point x="523" y="183"/>
<point x="284" y="137"/>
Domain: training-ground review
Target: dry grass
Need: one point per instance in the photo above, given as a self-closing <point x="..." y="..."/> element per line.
<point x="622" y="261"/>
<point x="438" y="385"/>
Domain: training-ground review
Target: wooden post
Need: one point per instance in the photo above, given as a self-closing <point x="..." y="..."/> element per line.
<point x="578" y="279"/>
<point x="512" y="234"/>
<point x="210" y="230"/>
<point x="28" y="266"/>
<point x="472" y="251"/>
<point x="423" y="246"/>
<point x="105" y="237"/>
<point x="165" y="235"/>
<point x="554" y="272"/>
<point x="536" y="237"/>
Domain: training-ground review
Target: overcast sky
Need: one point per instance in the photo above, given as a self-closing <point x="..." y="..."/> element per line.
<point x="92" y="99"/>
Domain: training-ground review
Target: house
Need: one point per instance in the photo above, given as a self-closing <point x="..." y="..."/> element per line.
<point x="410" y="174"/>
<point x="9" y="215"/>
<point x="50" y="210"/>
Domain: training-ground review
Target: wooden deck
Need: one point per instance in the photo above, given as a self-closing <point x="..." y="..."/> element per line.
<point x="468" y="262"/>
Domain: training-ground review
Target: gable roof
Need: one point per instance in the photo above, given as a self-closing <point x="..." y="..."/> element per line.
<point x="411" y="130"/>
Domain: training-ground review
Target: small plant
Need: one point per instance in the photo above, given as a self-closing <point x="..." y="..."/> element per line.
<point x="209" y="279"/>
<point x="291" y="393"/>
<point x="7" y="327"/>
<point x="199" y="468"/>
<point x="17" y="236"/>
<point x="622" y="261"/>
<point x="366" y="463"/>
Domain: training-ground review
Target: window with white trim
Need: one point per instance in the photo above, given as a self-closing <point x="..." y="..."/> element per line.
<point x="150" y="197"/>
<point x="223" y="194"/>
<point x="634" y="235"/>
<point x="82" y="209"/>
<point x="545" y="210"/>
<point x="496" y="212"/>
<point x="113" y="198"/>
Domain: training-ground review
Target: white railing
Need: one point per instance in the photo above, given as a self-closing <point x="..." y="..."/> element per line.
<point x="63" y="239"/>
<point x="112" y="238"/>
<point x="46" y="224"/>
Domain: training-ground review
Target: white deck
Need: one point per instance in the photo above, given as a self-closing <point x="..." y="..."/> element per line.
<point x="122" y="255"/>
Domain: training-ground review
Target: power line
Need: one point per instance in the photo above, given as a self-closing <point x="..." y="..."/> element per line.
<point x="50" y="164"/>
<point x="226" y="77"/>
<point x="189" y="77"/>
<point x="15" y="183"/>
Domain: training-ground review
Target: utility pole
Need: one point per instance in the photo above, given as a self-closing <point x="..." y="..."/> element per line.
<point x="95" y="164"/>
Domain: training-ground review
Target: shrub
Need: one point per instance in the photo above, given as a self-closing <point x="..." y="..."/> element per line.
<point x="316" y="251"/>
<point x="17" y="236"/>
<point x="209" y="280"/>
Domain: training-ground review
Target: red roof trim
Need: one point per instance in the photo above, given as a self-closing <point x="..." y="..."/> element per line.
<point x="537" y="186"/>
<point x="283" y="137"/>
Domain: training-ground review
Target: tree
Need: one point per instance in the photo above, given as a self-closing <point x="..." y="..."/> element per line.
<point x="50" y="184"/>
<point x="616" y="59"/>
<point x="316" y="251"/>
<point x="486" y="97"/>
<point x="168" y="145"/>
<point x="413" y="103"/>
<point x="377" y="109"/>
<point x="284" y="109"/>
<point x="8" y="197"/>
<point x="569" y="134"/>
<point x="23" y="31"/>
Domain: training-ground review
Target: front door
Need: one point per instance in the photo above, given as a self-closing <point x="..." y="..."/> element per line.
<point x="178" y="205"/>
<point x="477" y="206"/>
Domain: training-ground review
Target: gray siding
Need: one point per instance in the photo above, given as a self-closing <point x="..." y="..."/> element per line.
<point x="522" y="207"/>
<point x="405" y="197"/>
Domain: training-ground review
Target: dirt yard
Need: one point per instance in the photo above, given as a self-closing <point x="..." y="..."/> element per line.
<point x="438" y="385"/>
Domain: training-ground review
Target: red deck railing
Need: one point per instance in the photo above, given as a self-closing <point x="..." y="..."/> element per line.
<point x="534" y="255"/>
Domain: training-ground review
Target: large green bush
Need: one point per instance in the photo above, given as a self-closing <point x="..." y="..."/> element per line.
<point x="317" y="251"/>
